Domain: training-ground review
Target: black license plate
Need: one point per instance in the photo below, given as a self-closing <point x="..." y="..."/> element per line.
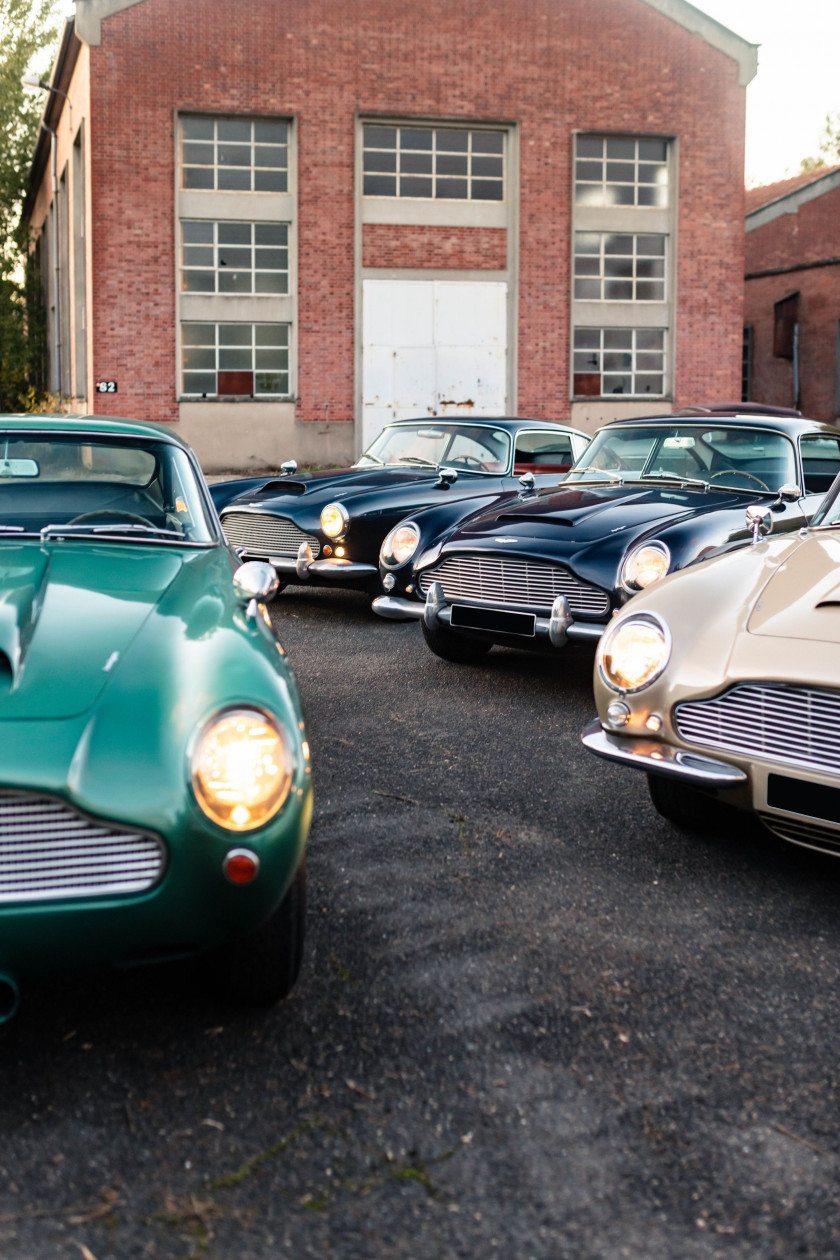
<point x="815" y="800"/>
<point x="492" y="619"/>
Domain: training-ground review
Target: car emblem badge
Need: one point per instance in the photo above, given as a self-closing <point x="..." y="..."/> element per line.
<point x="502" y="540"/>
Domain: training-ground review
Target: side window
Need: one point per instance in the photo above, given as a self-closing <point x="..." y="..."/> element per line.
<point x="543" y="452"/>
<point x="820" y="462"/>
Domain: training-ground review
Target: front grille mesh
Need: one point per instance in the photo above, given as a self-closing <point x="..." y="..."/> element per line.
<point x="810" y="834"/>
<point x="511" y="580"/>
<point x="264" y="535"/>
<point x="799" y="725"/>
<point x="48" y="850"/>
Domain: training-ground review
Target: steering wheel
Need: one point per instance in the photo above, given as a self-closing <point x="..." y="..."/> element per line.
<point x="127" y="516"/>
<point x="738" y="472"/>
<point x="468" y="461"/>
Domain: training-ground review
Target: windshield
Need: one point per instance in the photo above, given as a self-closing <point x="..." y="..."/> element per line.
<point x="472" y="447"/>
<point x="101" y="486"/>
<point x="726" y="457"/>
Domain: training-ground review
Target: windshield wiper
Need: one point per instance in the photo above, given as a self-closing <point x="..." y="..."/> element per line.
<point x="61" y="531"/>
<point x="675" y="477"/>
<point x="367" y="455"/>
<point x="12" y="529"/>
<point x="415" y="459"/>
<point x="604" y="474"/>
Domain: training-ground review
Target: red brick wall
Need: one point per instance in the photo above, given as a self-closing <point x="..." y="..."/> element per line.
<point x="810" y="235"/>
<point x="547" y="65"/>
<point x="470" y="249"/>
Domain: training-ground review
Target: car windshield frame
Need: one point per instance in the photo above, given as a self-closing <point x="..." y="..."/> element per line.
<point x="448" y="433"/>
<point x="677" y="455"/>
<point x="82" y="488"/>
<point x="827" y="515"/>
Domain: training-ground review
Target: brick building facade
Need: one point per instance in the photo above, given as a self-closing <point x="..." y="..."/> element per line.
<point x="280" y="226"/>
<point x="792" y="294"/>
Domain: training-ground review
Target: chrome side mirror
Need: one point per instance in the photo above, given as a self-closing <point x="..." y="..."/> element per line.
<point x="526" y="481"/>
<point x="289" y="467"/>
<point x="759" y="521"/>
<point x="789" y="492"/>
<point x="447" y="476"/>
<point x="255" y="580"/>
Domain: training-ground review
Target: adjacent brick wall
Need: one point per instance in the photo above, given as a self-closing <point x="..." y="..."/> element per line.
<point x="468" y="249"/>
<point x="550" y="66"/>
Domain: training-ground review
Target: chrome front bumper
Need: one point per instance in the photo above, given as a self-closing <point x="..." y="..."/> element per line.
<point x="654" y="757"/>
<point x="333" y="569"/>
<point x="558" y="628"/>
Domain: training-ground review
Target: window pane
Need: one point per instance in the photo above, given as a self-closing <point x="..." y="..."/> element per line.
<point x="235" y="381"/>
<point x="271" y="233"/>
<point x="650" y="290"/>
<point x="653" y="196"/>
<point x="270" y="155"/>
<point x="650" y="339"/>
<point x="650" y="268"/>
<point x="271" y="132"/>
<point x="237" y="179"/>
<point x="613" y="361"/>
<point x="649" y="384"/>
<point x="234" y="360"/>
<point x="196" y="233"/>
<point x="587" y="338"/>
<point x="199" y="382"/>
<point x="410" y="138"/>
<point x="488" y="142"/>
<point x="272" y="360"/>
<point x="618" y="244"/>
<point x="587" y="361"/>
<point x="271" y="282"/>
<point x="487" y="166"/>
<point x="235" y="129"/>
<point x="198" y="256"/>
<point x="232" y="256"/>
<point x="271" y="383"/>
<point x="198" y="177"/>
<point x="650" y="362"/>
<point x="587" y="242"/>
<point x="412" y="163"/>
<point x="650" y="245"/>
<point x="197" y="154"/>
<point x="415" y="186"/>
<point x="234" y="233"/>
<point x="621" y="148"/>
<point x="271" y="181"/>
<point x="621" y="172"/>
<point x="451" y="164"/>
<point x="487" y="190"/>
<point x="198" y="281"/>
<point x="590" y="146"/>
<point x="618" y="338"/>
<point x="618" y="290"/>
<point x="197" y="128"/>
<point x="589" y="171"/>
<point x="271" y="334"/>
<point x="380" y="137"/>
<point x="234" y="155"/>
<point x="587" y="266"/>
<point x="234" y="334"/>
<point x="614" y="384"/>
<point x="270" y="259"/>
<point x="375" y="160"/>
<point x="452" y="141"/>
<point x="199" y="358"/>
<point x="653" y="150"/>
<point x="588" y="290"/>
<point x="620" y="195"/>
<point x="198" y="334"/>
<point x="618" y="267"/>
<point x="380" y="186"/>
<point x="452" y="189"/>
<point x="235" y="281"/>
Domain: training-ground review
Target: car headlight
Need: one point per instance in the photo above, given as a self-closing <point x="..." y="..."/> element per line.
<point x="334" y="520"/>
<point x="399" y="546"/>
<point x="241" y="769"/>
<point x="634" y="652"/>
<point x="645" y="565"/>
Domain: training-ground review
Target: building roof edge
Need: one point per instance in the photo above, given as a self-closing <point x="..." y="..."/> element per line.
<point x="90" y="15"/>
<point x="790" y="202"/>
<point x="714" y="33"/>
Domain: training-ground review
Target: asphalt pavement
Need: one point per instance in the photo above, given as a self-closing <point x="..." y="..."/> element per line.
<point x="534" y="1020"/>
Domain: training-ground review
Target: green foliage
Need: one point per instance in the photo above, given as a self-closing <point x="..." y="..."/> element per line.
<point x="28" y="30"/>
<point x="828" y="153"/>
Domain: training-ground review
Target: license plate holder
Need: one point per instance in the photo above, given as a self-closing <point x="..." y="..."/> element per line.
<point x="467" y="617"/>
<point x="799" y="796"/>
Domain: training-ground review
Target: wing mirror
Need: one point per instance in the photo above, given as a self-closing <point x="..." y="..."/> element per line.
<point x="289" y="467"/>
<point x="255" y="581"/>
<point x="447" y="476"/>
<point x="759" y="521"/>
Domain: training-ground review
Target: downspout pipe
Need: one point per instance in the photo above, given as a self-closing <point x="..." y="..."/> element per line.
<point x="56" y="257"/>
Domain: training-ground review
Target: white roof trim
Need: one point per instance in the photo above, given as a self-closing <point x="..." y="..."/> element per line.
<point x="790" y="202"/>
<point x="720" y="37"/>
<point x="91" y="13"/>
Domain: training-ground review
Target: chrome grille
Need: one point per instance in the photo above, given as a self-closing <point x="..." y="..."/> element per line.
<point x="798" y="832"/>
<point x="48" y="850"/>
<point x="511" y="580"/>
<point x="266" y="535"/>
<point x="798" y="725"/>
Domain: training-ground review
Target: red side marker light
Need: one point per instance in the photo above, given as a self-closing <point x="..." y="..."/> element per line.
<point x="241" y="866"/>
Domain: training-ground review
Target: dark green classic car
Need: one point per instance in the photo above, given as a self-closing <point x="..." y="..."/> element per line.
<point x="155" y="793"/>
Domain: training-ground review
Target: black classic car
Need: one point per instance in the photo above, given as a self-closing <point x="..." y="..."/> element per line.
<point x="326" y="528"/>
<point x="648" y="497"/>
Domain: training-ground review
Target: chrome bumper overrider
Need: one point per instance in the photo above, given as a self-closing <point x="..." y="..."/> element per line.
<point x="655" y="757"/>
<point x="558" y="627"/>
<point x="333" y="569"/>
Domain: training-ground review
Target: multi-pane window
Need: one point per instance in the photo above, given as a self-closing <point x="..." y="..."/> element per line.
<point x="621" y="171"/>
<point x="628" y="361"/>
<point x="440" y="162"/>
<point x="234" y="154"/>
<point x="240" y="359"/>
<point x="619" y="267"/>
<point x="237" y="257"/>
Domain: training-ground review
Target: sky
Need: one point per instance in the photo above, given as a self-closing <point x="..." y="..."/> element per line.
<point x="798" y="80"/>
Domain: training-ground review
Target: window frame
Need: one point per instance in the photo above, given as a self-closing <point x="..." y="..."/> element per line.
<point x="434" y="175"/>
<point x="196" y="396"/>
<point x="217" y="268"/>
<point x="633" y="371"/>
<point x="603" y="279"/>
<point x="216" y="165"/>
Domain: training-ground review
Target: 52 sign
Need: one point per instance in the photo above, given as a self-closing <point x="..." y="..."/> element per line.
<point x="106" y="387"/>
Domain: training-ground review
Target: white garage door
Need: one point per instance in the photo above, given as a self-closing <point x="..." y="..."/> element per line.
<point x="432" y="347"/>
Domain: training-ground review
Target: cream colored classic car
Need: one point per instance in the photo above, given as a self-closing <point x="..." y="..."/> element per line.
<point x="722" y="684"/>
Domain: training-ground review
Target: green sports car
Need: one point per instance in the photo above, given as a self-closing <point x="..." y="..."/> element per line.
<point x="155" y="793"/>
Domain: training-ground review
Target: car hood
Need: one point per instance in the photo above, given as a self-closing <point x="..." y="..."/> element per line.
<point x="585" y="514"/>
<point x="802" y="598"/>
<point x="68" y="613"/>
<point x="313" y="490"/>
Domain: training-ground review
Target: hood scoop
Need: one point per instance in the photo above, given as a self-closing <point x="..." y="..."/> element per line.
<point x="281" y="485"/>
<point x="802" y="598"/>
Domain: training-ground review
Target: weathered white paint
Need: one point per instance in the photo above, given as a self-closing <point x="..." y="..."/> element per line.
<point x="432" y="347"/>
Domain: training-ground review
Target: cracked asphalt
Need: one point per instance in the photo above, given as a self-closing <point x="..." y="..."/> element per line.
<point x="533" y="1020"/>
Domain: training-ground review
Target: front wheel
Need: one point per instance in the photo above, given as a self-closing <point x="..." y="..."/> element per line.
<point x="689" y="809"/>
<point x="263" y="966"/>
<point x="457" y="648"/>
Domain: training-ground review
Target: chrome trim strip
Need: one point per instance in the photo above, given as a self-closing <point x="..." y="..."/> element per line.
<point x="655" y="757"/>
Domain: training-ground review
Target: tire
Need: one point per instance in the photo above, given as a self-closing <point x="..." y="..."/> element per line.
<point x="460" y="649"/>
<point x="689" y="809"/>
<point x="263" y="966"/>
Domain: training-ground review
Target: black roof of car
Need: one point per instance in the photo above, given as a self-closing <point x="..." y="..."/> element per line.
<point x="516" y="422"/>
<point x="781" y="419"/>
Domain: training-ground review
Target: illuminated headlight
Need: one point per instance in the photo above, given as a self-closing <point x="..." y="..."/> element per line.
<point x="241" y="769"/>
<point x="334" y="520"/>
<point x="399" y="546"/>
<point x="634" y="652"/>
<point x="646" y="565"/>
